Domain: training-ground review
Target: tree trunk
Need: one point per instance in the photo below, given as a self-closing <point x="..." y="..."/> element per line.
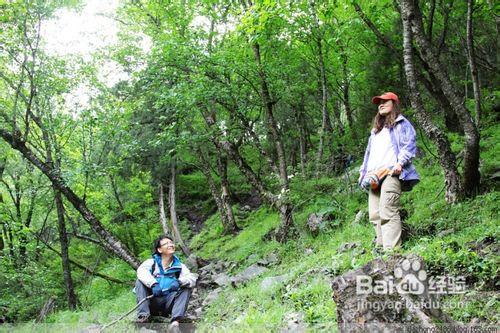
<point x="287" y="224"/>
<point x="23" y="239"/>
<point x="471" y="175"/>
<point x="273" y="126"/>
<point x="47" y="308"/>
<point x="472" y="62"/>
<point x="326" y="127"/>
<point x="447" y="7"/>
<point x="217" y="198"/>
<point x="2" y="243"/>
<point x="231" y="226"/>
<point x="173" y="209"/>
<point x="451" y="119"/>
<point x="205" y="169"/>
<point x="249" y="174"/>
<point x="447" y="161"/>
<point x="19" y="221"/>
<point x="3" y="162"/>
<point x="8" y="238"/>
<point x="112" y="244"/>
<point x="345" y="91"/>
<point x="129" y="238"/>
<point x="63" y="240"/>
<point x="300" y="121"/>
<point x="161" y="208"/>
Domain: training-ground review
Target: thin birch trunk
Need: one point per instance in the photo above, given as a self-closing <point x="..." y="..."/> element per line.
<point x="299" y="115"/>
<point x="326" y="127"/>
<point x="161" y="208"/>
<point x="173" y="209"/>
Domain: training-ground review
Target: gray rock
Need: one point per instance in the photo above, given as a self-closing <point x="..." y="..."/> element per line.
<point x="198" y="312"/>
<point x="348" y="246"/>
<point x="206" y="281"/>
<point x="360" y="216"/>
<point x="212" y="296"/>
<point x="207" y="268"/>
<point x="271" y="259"/>
<point x="295" y="323"/>
<point x="222" y="280"/>
<point x="253" y="257"/>
<point x="308" y="251"/>
<point x="269" y="282"/>
<point x="314" y="222"/>
<point x="218" y="266"/>
<point x="474" y="322"/>
<point x="246" y="208"/>
<point x="446" y="232"/>
<point x="355" y="310"/>
<point x="192" y="262"/>
<point x="249" y="273"/>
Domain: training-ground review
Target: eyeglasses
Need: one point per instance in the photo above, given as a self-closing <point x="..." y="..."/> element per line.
<point x="167" y="244"/>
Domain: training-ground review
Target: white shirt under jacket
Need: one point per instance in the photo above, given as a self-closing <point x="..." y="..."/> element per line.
<point x="382" y="154"/>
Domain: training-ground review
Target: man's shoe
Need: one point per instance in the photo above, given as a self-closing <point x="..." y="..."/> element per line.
<point x="184" y="320"/>
<point x="174" y="327"/>
<point x="142" y="318"/>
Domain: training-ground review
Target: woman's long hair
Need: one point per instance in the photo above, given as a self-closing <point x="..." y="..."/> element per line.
<point x="389" y="120"/>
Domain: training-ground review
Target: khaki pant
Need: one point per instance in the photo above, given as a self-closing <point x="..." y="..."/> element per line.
<point x="383" y="208"/>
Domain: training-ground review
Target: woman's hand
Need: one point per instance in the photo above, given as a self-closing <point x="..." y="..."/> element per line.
<point x="396" y="170"/>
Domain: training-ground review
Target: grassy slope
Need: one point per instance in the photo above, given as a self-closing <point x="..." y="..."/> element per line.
<point x="307" y="289"/>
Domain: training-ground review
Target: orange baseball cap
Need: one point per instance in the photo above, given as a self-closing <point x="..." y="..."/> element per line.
<point x="386" y="96"/>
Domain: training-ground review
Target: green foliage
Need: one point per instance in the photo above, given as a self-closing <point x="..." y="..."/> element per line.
<point x="198" y="87"/>
<point x="210" y="243"/>
<point x="103" y="310"/>
<point x="25" y="289"/>
<point x="483" y="306"/>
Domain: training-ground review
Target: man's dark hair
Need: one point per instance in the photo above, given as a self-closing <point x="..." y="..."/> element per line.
<point x="157" y="242"/>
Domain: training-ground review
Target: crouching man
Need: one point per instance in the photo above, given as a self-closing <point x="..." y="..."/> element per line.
<point x="168" y="281"/>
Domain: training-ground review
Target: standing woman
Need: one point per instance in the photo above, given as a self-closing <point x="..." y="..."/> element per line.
<point x="392" y="147"/>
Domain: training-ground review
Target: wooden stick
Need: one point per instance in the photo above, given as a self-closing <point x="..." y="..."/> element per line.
<point x="126" y="314"/>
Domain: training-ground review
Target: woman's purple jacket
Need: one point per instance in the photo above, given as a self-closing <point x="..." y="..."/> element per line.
<point x="403" y="138"/>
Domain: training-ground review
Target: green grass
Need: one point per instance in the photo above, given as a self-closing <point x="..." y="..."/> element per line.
<point x="308" y="292"/>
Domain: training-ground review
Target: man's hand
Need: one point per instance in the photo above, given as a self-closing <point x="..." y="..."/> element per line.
<point x="156" y="290"/>
<point x="185" y="284"/>
<point x="397" y="169"/>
